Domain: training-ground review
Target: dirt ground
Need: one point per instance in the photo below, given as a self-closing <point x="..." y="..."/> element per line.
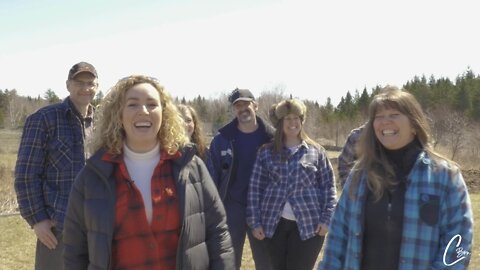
<point x="472" y="178"/>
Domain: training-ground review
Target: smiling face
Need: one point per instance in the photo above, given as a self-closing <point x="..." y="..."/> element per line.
<point x="392" y="128"/>
<point x="142" y="117"/>
<point x="189" y="123"/>
<point x="82" y="89"/>
<point x="245" y="111"/>
<point x="292" y="125"/>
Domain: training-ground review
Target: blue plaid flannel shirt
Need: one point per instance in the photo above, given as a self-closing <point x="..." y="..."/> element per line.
<point x="437" y="209"/>
<point x="50" y="155"/>
<point x="306" y="180"/>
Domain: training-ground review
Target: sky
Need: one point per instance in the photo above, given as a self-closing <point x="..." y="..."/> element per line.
<point x="311" y="49"/>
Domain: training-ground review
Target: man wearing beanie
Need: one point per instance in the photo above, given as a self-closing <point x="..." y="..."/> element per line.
<point x="51" y="154"/>
<point x="232" y="155"/>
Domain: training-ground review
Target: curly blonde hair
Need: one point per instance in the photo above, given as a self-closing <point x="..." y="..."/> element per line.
<point x="109" y="133"/>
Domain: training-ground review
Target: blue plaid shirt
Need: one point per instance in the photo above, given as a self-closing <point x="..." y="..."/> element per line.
<point x="51" y="154"/>
<point x="347" y="157"/>
<point x="305" y="180"/>
<point x="437" y="209"/>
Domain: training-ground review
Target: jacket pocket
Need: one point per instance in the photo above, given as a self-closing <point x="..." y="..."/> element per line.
<point x="60" y="153"/>
<point x="429" y="208"/>
<point x="309" y="174"/>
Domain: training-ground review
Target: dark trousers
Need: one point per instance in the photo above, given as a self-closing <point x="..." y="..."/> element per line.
<point x="46" y="259"/>
<point x="288" y="252"/>
<point x="236" y="220"/>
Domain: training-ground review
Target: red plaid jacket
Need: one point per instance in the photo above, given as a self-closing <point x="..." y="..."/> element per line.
<point x="136" y="243"/>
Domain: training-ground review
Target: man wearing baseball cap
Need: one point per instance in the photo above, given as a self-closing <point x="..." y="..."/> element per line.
<point x="232" y="155"/>
<point x="51" y="153"/>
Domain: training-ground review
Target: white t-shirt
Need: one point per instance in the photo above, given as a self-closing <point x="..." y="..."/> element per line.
<point x="287" y="212"/>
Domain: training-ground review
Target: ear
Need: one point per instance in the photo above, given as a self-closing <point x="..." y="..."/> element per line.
<point x="255" y="105"/>
<point x="68" y="84"/>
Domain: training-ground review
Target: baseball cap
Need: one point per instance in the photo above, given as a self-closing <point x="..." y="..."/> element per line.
<point x="82" y="67"/>
<point x="240" y="94"/>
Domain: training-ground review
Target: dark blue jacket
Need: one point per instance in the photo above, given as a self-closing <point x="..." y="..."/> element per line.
<point x="222" y="157"/>
<point x="90" y="220"/>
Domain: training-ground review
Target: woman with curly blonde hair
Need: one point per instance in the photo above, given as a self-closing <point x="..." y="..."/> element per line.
<point x="109" y="132"/>
<point x="144" y="200"/>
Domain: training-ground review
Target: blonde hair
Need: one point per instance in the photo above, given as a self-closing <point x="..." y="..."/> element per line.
<point x="372" y="159"/>
<point x="198" y="137"/>
<point x="109" y="133"/>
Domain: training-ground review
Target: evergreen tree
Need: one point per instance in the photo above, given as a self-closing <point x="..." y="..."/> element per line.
<point x="98" y="98"/>
<point x="462" y="101"/>
<point x="363" y="102"/>
<point x="327" y="111"/>
<point x="420" y="89"/>
<point x="51" y="96"/>
<point x="475" y="112"/>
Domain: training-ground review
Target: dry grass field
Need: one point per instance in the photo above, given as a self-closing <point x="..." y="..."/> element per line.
<point x="17" y="241"/>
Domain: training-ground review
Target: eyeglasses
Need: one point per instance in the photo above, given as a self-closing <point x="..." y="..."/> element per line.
<point x="84" y="84"/>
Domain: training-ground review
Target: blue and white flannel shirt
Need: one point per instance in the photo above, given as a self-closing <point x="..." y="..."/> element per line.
<point x="348" y="155"/>
<point x="51" y="154"/>
<point x="437" y="218"/>
<point x="305" y="180"/>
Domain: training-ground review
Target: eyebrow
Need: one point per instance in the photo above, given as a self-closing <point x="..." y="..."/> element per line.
<point x="136" y="98"/>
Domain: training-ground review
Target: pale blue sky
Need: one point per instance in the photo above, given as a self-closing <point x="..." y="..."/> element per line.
<point x="311" y="48"/>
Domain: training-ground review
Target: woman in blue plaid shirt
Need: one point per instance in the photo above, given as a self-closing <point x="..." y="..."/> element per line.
<point x="404" y="206"/>
<point x="291" y="195"/>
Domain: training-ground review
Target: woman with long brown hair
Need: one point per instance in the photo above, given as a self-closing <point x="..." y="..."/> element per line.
<point x="291" y="196"/>
<point x="403" y="203"/>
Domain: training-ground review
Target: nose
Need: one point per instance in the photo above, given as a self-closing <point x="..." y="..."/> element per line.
<point x="143" y="109"/>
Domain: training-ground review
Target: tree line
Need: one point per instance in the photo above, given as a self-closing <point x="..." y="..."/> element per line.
<point x="452" y="106"/>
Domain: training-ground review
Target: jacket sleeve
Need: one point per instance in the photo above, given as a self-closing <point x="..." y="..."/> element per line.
<point x="327" y="181"/>
<point x="347" y="157"/>
<point x="32" y="155"/>
<point x="214" y="161"/>
<point x="218" y="239"/>
<point x="75" y="232"/>
<point x="456" y="224"/>
<point x="258" y="183"/>
<point x="337" y="237"/>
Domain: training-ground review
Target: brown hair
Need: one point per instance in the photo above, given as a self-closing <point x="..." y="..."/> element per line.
<point x="198" y="137"/>
<point x="371" y="156"/>
<point x="276" y="114"/>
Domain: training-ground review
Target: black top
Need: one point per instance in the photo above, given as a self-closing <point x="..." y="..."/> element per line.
<point x="383" y="222"/>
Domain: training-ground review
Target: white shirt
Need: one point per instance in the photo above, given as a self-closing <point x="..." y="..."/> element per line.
<point x="140" y="167"/>
<point x="287" y="212"/>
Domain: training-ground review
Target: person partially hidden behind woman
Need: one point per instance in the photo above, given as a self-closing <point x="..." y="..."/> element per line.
<point x="144" y="200"/>
<point x="404" y="206"/>
<point x="194" y="130"/>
